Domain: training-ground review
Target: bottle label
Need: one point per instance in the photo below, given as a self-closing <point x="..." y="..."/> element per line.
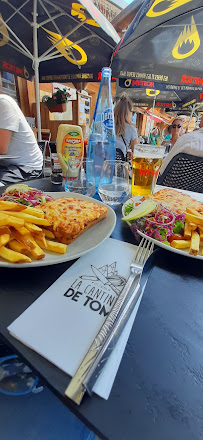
<point x="55" y="163"/>
<point x="72" y="146"/>
<point x="107" y="118"/>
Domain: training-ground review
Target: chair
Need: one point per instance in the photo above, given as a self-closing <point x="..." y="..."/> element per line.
<point x="119" y="154"/>
<point x="42" y="145"/>
<point x="184" y="171"/>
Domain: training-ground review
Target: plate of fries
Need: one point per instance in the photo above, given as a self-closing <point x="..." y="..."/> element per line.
<point x="26" y="241"/>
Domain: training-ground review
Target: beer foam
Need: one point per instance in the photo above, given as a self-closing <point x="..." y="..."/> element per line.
<point x="144" y="155"/>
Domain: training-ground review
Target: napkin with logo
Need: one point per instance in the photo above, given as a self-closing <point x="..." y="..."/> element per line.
<point x="62" y="323"/>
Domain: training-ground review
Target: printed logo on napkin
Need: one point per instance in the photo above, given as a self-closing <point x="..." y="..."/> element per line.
<point x="98" y="291"/>
<point x="62" y="323"/>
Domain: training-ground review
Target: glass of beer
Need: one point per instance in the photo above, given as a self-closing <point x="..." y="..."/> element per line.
<point x="146" y="163"/>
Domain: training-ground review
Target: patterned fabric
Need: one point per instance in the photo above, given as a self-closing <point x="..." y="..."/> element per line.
<point x="184" y="172"/>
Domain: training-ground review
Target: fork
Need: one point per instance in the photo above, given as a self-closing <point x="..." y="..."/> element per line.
<point x="104" y="342"/>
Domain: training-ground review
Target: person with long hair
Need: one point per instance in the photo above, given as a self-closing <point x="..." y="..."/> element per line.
<point x="126" y="132"/>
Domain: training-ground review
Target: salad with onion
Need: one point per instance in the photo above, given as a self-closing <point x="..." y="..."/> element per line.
<point x="25" y="195"/>
<point x="161" y="223"/>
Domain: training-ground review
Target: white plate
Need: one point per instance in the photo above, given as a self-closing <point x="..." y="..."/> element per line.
<point x="92" y="238"/>
<point x="184" y="252"/>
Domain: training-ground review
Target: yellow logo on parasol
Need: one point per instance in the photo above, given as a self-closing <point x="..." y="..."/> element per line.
<point x="189" y="34"/>
<point x="152" y="92"/>
<point x="170" y="5"/>
<point x="65" y="48"/>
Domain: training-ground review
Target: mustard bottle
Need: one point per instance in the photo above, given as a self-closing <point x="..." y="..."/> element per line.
<point x="69" y="144"/>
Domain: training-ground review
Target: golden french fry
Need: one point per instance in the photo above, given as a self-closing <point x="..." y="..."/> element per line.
<point x="40" y="236"/>
<point x="18" y="247"/>
<point x="4" y="230"/>
<point x="200" y="227"/>
<point x="180" y="244"/>
<point x="37" y="252"/>
<point x="4" y="239"/>
<point x="29" y="218"/>
<point x="10" y="206"/>
<point x="6" y="219"/>
<point x="22" y="230"/>
<point x="187" y="231"/>
<point x="32" y="228"/>
<point x="193" y="212"/>
<point x="53" y="246"/>
<point x="24" y="240"/>
<point x="192" y="226"/>
<point x="195" y="242"/>
<point x="48" y="233"/>
<point x="33" y="211"/>
<point x="12" y="256"/>
<point x="198" y="220"/>
<point x="200" y="234"/>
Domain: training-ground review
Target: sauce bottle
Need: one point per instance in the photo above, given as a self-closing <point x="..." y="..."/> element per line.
<point x="69" y="145"/>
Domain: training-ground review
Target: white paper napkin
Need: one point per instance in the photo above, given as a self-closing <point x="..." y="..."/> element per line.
<point x="62" y="323"/>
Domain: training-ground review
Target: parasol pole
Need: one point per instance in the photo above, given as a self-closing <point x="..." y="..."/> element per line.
<point x="152" y="114"/>
<point x="191" y="114"/>
<point x="36" y="69"/>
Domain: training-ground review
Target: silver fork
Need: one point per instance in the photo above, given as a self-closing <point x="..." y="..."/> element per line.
<point x="103" y="344"/>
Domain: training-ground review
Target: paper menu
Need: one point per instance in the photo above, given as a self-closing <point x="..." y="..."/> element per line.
<point x="61" y="324"/>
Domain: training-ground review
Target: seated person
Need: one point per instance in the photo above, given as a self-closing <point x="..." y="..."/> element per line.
<point x="190" y="143"/>
<point x="17" y="139"/>
<point x="154" y="135"/>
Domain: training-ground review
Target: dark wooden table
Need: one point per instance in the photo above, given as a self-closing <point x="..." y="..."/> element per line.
<point x="158" y="391"/>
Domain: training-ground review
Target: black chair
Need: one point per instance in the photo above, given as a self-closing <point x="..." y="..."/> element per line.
<point x="184" y="171"/>
<point x="120" y="155"/>
<point x="42" y="145"/>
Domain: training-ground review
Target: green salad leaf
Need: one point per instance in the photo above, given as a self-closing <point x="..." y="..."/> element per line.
<point x="128" y="208"/>
<point x="179" y="225"/>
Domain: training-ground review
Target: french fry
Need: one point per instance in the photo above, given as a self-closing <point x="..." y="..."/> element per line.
<point x="4" y="239"/>
<point x="195" y="242"/>
<point x="200" y="227"/>
<point x="37" y="252"/>
<point x="32" y="228"/>
<point x="33" y="211"/>
<point x="40" y="236"/>
<point x="10" y="206"/>
<point x="200" y="234"/>
<point x="198" y="220"/>
<point x="4" y="230"/>
<point x="23" y="239"/>
<point x="22" y="230"/>
<point x="6" y="219"/>
<point x="18" y="247"/>
<point x="12" y="256"/>
<point x="181" y="244"/>
<point x="187" y="231"/>
<point x="29" y="218"/>
<point x="192" y="211"/>
<point x="48" y="233"/>
<point x="53" y="246"/>
<point x="192" y="226"/>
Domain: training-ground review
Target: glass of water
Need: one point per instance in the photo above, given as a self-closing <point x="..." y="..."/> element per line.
<point x="114" y="182"/>
<point x="80" y="177"/>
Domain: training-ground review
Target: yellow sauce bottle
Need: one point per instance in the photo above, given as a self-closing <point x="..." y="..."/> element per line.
<point x="69" y="144"/>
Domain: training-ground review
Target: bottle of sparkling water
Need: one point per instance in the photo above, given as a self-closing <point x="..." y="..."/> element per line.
<point x="102" y="139"/>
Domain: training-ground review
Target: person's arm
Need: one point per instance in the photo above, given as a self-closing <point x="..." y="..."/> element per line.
<point x="5" y="138"/>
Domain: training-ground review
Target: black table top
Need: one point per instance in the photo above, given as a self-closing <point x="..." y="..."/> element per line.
<point x="158" y="390"/>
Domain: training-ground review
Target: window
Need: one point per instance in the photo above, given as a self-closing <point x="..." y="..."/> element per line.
<point x="9" y="85"/>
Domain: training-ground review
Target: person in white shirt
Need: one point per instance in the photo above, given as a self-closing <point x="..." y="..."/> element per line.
<point x="190" y="143"/>
<point x="126" y="132"/>
<point x="17" y="139"/>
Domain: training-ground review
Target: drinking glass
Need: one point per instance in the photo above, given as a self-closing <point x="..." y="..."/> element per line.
<point x="114" y="182"/>
<point x="80" y="177"/>
<point x="147" y="160"/>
